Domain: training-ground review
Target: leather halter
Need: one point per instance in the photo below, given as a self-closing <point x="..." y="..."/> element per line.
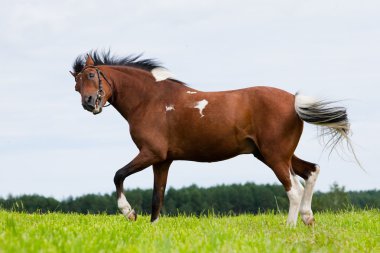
<point x="100" y="93"/>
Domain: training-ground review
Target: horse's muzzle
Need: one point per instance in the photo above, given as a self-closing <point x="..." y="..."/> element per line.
<point x="92" y="105"/>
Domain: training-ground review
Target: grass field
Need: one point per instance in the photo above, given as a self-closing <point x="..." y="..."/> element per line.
<point x="355" y="231"/>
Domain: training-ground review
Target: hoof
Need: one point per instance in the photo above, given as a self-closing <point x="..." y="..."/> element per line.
<point x="132" y="216"/>
<point x="309" y="221"/>
<point x="154" y="221"/>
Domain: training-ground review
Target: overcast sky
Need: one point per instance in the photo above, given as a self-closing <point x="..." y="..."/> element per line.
<point x="49" y="145"/>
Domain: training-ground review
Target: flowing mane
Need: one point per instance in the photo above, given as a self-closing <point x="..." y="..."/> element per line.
<point x="105" y="58"/>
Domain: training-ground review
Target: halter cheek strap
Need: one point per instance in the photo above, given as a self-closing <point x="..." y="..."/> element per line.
<point x="100" y="93"/>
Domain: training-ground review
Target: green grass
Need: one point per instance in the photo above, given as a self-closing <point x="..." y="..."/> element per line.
<point x="355" y="231"/>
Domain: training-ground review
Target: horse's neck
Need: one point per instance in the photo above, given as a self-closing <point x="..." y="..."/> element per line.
<point x="133" y="89"/>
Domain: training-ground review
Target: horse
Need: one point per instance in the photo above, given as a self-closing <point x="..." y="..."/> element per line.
<point x="171" y="121"/>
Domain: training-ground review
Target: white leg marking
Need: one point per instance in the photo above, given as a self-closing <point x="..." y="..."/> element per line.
<point x="201" y="106"/>
<point x="295" y="196"/>
<point x="169" y="108"/>
<point x="191" y="92"/>
<point x="161" y="74"/>
<point x="124" y="206"/>
<point x="156" y="220"/>
<point x="305" y="210"/>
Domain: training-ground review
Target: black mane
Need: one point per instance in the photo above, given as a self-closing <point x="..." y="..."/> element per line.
<point x="105" y="58"/>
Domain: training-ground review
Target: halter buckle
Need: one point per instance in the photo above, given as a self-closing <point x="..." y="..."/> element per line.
<point x="100" y="94"/>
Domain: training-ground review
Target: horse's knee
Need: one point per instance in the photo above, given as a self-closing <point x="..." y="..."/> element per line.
<point x="118" y="178"/>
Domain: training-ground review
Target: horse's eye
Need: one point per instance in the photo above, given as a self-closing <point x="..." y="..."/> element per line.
<point x="91" y="75"/>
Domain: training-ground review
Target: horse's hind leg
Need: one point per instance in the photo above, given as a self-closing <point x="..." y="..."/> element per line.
<point x="160" y="171"/>
<point x="309" y="172"/>
<point x="292" y="186"/>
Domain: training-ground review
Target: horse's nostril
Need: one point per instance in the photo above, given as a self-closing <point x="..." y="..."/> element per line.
<point x="89" y="99"/>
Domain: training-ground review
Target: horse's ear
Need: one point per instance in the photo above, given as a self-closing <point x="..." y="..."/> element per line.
<point x="89" y="60"/>
<point x="72" y="73"/>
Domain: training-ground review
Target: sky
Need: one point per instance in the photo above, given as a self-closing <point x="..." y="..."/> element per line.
<point x="50" y="146"/>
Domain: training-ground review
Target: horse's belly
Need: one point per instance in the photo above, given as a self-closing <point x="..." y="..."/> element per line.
<point x="210" y="147"/>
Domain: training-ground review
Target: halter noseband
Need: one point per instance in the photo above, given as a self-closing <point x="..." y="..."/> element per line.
<point x="100" y="92"/>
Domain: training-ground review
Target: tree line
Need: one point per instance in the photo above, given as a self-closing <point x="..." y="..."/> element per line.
<point x="193" y="200"/>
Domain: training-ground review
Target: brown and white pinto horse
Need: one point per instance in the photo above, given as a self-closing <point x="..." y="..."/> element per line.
<point x="171" y="121"/>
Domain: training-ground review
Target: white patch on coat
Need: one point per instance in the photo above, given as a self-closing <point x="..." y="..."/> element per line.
<point x="124" y="206"/>
<point x="191" y="92"/>
<point x="201" y="106"/>
<point x="169" y="108"/>
<point x="161" y="74"/>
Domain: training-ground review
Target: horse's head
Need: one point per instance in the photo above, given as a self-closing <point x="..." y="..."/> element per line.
<point x="89" y="83"/>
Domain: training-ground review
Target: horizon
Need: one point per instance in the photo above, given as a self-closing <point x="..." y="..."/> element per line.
<point x="334" y="184"/>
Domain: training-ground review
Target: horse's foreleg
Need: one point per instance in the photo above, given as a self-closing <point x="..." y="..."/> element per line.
<point x="140" y="162"/>
<point x="160" y="171"/>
